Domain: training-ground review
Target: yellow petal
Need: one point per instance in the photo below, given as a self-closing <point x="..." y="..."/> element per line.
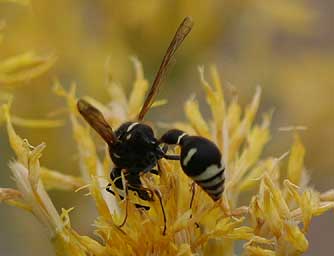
<point x="296" y="161"/>
<point x="184" y="250"/>
<point x="277" y="197"/>
<point x="271" y="214"/>
<point x="39" y="123"/>
<point x="117" y="94"/>
<point x="138" y="91"/>
<point x="322" y="208"/>
<point x="215" y="99"/>
<point x="233" y="116"/>
<point x="13" y="197"/>
<point x="24" y="67"/>
<point x="328" y="195"/>
<point x="253" y="176"/>
<point x="256" y="213"/>
<point x="67" y="246"/>
<point x="295" y="237"/>
<point x="9" y="193"/>
<point x="56" y="180"/>
<point x="17" y="143"/>
<point x="306" y="204"/>
<point x="257" y="139"/>
<point x="34" y="165"/>
<point x="237" y="138"/>
<point x="196" y="119"/>
<point x="36" y="197"/>
<point x="258" y="251"/>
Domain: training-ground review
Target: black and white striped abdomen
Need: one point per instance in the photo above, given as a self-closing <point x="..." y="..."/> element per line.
<point x="202" y="161"/>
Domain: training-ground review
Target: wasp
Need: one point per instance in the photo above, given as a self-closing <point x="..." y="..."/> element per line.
<point x="135" y="150"/>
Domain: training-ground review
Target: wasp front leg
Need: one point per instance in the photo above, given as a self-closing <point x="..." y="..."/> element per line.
<point x="116" y="177"/>
<point x="136" y="185"/>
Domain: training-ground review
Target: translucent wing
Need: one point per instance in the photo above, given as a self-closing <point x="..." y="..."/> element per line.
<point x="96" y="120"/>
<point x="181" y="33"/>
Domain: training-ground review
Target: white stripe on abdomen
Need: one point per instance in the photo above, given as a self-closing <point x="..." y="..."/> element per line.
<point x="209" y="172"/>
<point x="188" y="157"/>
<point x="213" y="182"/>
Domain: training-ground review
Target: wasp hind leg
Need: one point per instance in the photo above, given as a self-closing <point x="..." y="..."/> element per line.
<point x="158" y="194"/>
<point x="193" y="190"/>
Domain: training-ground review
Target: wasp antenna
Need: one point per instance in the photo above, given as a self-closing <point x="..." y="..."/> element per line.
<point x="193" y="189"/>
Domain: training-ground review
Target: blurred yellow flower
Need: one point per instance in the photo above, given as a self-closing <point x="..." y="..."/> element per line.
<point x="274" y="222"/>
<point x="24" y="67"/>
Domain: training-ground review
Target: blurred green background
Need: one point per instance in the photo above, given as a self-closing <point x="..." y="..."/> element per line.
<point x="285" y="46"/>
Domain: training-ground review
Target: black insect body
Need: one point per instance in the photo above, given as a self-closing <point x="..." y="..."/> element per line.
<point x="201" y="160"/>
<point x="136" y="151"/>
<point x="133" y="149"/>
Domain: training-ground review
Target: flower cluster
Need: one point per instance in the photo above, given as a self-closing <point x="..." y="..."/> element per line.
<point x="274" y="221"/>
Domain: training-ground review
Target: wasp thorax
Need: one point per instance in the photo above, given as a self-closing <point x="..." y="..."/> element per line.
<point x="137" y="149"/>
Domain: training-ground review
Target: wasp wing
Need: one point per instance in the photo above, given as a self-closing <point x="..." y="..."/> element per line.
<point x="96" y="120"/>
<point x="181" y="33"/>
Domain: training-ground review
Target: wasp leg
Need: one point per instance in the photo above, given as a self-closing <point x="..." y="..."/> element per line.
<point x="172" y="157"/>
<point x="147" y="169"/>
<point x="116" y="177"/>
<point x="138" y="206"/>
<point x="136" y="185"/>
<point x="154" y="171"/>
<point x="193" y="190"/>
<point x="108" y="188"/>
<point x="145" y="194"/>
<point x="126" y="203"/>
<point x="158" y="194"/>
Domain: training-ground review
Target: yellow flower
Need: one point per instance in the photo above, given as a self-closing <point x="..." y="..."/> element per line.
<point x="21" y="68"/>
<point x="274" y="222"/>
<point x="24" y="67"/>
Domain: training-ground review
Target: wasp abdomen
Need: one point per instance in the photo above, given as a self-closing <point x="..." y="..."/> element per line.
<point x="201" y="160"/>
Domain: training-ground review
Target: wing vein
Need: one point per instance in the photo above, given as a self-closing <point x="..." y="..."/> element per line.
<point x="96" y="120"/>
